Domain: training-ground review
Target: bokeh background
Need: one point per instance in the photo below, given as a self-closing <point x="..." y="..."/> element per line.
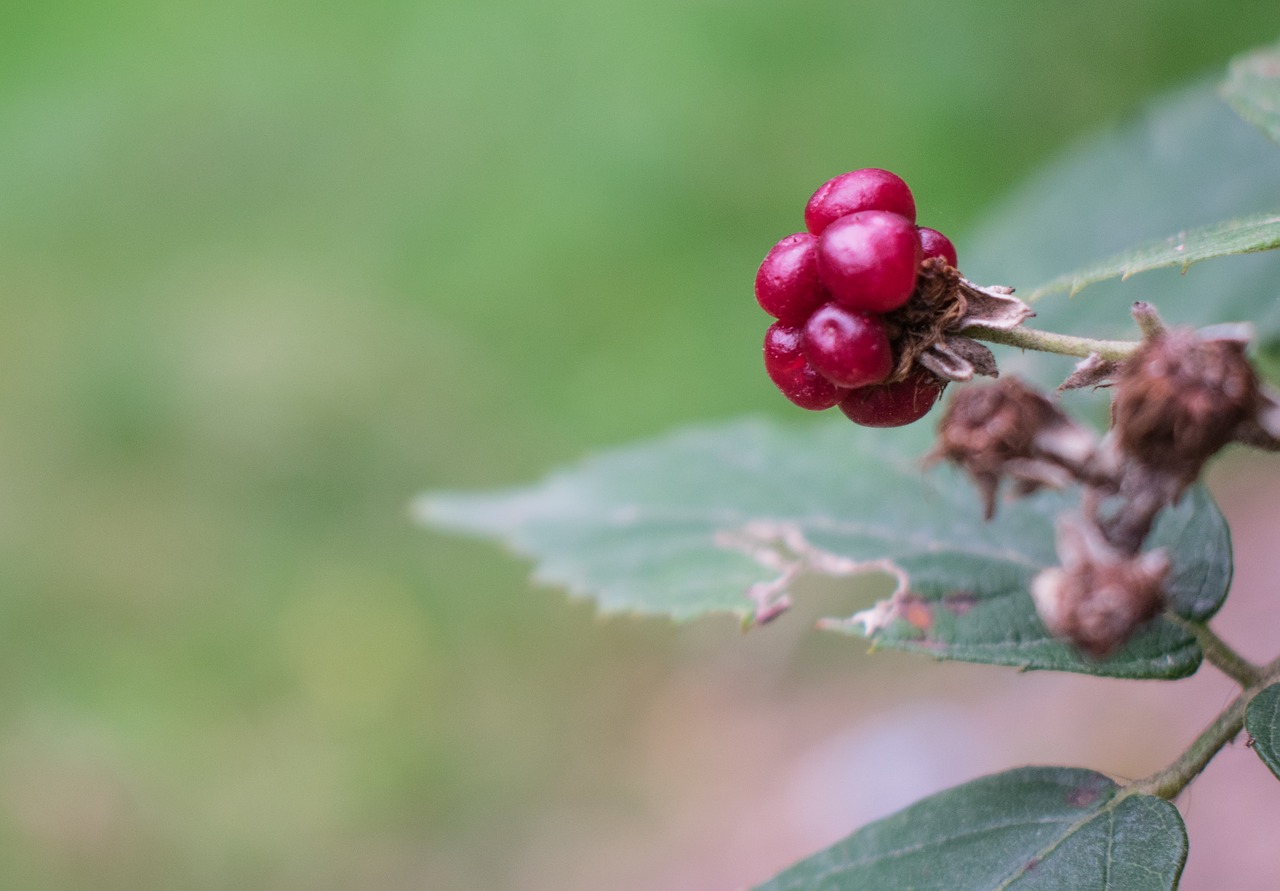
<point x="269" y="269"/>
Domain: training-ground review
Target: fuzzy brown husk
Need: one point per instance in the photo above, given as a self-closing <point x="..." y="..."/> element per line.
<point x="1180" y="398"/>
<point x="937" y="305"/>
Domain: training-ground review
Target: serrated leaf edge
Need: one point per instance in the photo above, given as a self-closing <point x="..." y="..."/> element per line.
<point x="1131" y="262"/>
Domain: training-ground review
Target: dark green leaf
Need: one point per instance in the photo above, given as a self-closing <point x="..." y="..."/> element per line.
<point x="1253" y="89"/>
<point x="691" y="524"/>
<point x="1186" y="163"/>
<point x="1262" y="720"/>
<point x="1256" y="233"/>
<point x="1042" y="828"/>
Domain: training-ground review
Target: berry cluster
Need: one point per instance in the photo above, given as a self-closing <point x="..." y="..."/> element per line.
<point x="830" y="289"/>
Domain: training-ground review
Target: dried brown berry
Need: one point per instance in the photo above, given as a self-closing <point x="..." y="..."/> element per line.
<point x="1100" y="596"/>
<point x="1007" y="429"/>
<point x="1180" y="398"/>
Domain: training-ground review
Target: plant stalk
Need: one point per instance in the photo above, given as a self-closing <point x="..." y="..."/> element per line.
<point x="1219" y="652"/>
<point x="1167" y="783"/>
<point x="1170" y="781"/>
<point x="1148" y="319"/>
<point x="1050" y="342"/>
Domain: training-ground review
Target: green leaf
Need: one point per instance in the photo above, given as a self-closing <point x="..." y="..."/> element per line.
<point x="1257" y="233"/>
<point x="1262" y="720"/>
<point x="1042" y="828"/>
<point x="1253" y="89"/>
<point x="1185" y="163"/>
<point x="723" y="519"/>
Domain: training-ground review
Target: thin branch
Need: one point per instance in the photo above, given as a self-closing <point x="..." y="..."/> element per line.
<point x="1170" y="781"/>
<point x="1173" y="779"/>
<point x="1219" y="653"/>
<point x="1050" y="342"/>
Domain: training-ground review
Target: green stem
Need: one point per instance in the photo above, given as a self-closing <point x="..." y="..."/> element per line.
<point x="1219" y="652"/>
<point x="1049" y="342"/>
<point x="1149" y="321"/>
<point x="1173" y="779"/>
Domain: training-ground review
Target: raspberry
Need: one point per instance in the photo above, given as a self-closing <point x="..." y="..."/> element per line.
<point x="868" y="260"/>
<point x="847" y="347"/>
<point x="935" y="244"/>
<point x="787" y="285"/>
<point x="896" y="404"/>
<point x="791" y="372"/>
<point x="868" y="189"/>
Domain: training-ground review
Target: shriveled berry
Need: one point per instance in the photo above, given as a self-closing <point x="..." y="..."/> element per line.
<point x="935" y="244"/>
<point x="896" y="404"/>
<point x="787" y="285"/>
<point x="848" y="347"/>
<point x="867" y="189"/>
<point x="868" y="260"/>
<point x="791" y="372"/>
<point x="1180" y="397"/>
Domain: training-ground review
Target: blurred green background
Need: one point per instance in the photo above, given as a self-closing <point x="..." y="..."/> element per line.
<point x="268" y="270"/>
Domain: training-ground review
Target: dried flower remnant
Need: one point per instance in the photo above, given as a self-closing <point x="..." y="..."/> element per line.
<point x="929" y="330"/>
<point x="1093" y="371"/>
<point x="1099" y="596"/>
<point x="1180" y="398"/>
<point x="1007" y="429"/>
<point x="1097" y="371"/>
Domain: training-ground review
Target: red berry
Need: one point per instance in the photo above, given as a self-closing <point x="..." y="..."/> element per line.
<point x="847" y="347"/>
<point x="787" y="285"/>
<point x="868" y="189"/>
<point x="935" y="244"/>
<point x="792" y="373"/>
<point x="868" y="260"/>
<point x="896" y="404"/>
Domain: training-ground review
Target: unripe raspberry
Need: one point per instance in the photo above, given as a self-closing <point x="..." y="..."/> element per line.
<point x="787" y="285"/>
<point x="791" y="372"/>
<point x="868" y="189"/>
<point x="935" y="244"/>
<point x="868" y="260"/>
<point x="893" y="405"/>
<point x="847" y="347"/>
